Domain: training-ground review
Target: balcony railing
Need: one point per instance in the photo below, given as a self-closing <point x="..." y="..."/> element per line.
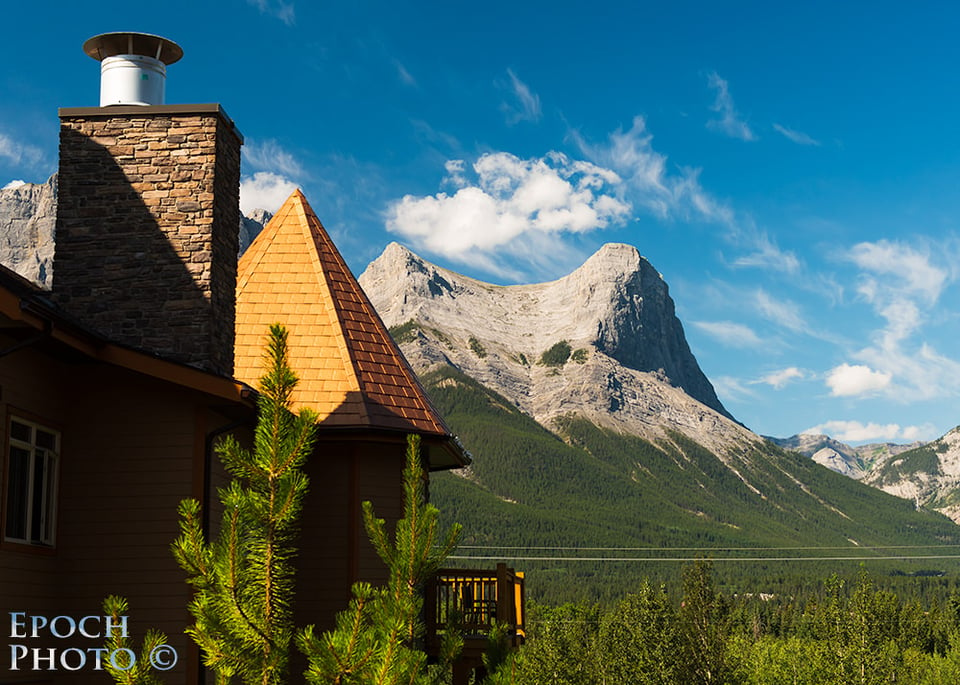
<point x="472" y="602"/>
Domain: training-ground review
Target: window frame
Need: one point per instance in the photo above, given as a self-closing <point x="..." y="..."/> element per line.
<point x="46" y="539"/>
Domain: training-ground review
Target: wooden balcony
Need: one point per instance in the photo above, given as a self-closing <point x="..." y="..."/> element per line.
<point x="472" y="602"/>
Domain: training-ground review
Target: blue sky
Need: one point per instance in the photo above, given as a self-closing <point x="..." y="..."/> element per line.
<point x="792" y="171"/>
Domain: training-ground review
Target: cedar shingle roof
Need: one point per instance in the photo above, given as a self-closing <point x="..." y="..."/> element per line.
<point x="350" y="370"/>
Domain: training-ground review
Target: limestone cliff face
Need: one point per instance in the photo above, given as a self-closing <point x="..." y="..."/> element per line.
<point x="603" y="342"/>
<point x="929" y="475"/>
<point x="28" y="216"/>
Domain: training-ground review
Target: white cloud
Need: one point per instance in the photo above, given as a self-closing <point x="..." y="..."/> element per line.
<point x="853" y="380"/>
<point x="19" y="153"/>
<point x="855" y="431"/>
<point x="910" y="270"/>
<point x="729" y="122"/>
<point x="677" y="194"/>
<point x="647" y="179"/>
<point x="903" y="284"/>
<point x="921" y="373"/>
<point x="730" y="333"/>
<point x="268" y="155"/>
<point x="284" y="11"/>
<point x="527" y="105"/>
<point x="404" y="75"/>
<point x="784" y="313"/>
<point x="766" y="254"/>
<point x="798" y="137"/>
<point x="732" y="389"/>
<point x="780" y="379"/>
<point x="14" y="184"/>
<point x="506" y="199"/>
<point x="264" y="190"/>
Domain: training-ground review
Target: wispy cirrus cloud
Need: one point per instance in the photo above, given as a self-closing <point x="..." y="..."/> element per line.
<point x="268" y="155"/>
<point x="676" y="193"/>
<point x="18" y="153"/>
<point x="648" y="181"/>
<point x="728" y="121"/>
<point x="798" y="137"/>
<point x="403" y="74"/>
<point x="764" y="252"/>
<point x="732" y="389"/>
<point x="284" y="11"/>
<point x="780" y="379"/>
<point x="730" y="333"/>
<point x="782" y="312"/>
<point x="525" y="105"/>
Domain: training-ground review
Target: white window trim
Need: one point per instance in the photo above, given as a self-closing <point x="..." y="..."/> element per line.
<point x="47" y="492"/>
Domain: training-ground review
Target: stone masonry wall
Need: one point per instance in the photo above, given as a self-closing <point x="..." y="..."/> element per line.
<point x="146" y="235"/>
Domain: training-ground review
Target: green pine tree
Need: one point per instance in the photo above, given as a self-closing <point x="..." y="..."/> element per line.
<point x="377" y="640"/>
<point x="244" y="576"/>
<point x="120" y="659"/>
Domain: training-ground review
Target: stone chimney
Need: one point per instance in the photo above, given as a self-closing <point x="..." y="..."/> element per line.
<point x="147" y="223"/>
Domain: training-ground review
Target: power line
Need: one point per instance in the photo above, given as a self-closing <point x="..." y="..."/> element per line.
<point x="702" y="549"/>
<point x="712" y="559"/>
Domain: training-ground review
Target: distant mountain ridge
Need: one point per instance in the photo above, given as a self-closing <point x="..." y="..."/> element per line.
<point x="929" y="475"/>
<point x="853" y="461"/>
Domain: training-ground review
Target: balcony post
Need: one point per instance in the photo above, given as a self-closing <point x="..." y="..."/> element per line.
<point x="504" y="596"/>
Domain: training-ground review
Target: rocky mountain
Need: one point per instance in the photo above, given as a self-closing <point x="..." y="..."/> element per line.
<point x="603" y="342"/>
<point x="28" y="217"/>
<point x="592" y="426"/>
<point x="856" y="462"/>
<point x="928" y="475"/>
<point x="28" y="214"/>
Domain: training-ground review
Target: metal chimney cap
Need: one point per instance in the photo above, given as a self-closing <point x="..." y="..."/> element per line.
<point x="130" y="43"/>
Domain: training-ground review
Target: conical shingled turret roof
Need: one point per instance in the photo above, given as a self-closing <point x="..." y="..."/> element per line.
<point x="350" y="370"/>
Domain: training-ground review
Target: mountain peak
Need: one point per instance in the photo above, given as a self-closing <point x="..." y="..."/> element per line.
<point x="615" y="257"/>
<point x="612" y="319"/>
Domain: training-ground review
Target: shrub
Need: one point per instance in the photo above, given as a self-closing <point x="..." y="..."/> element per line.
<point x="477" y="347"/>
<point x="556" y="355"/>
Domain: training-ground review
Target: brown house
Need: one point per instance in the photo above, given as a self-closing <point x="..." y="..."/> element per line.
<point x="115" y="385"/>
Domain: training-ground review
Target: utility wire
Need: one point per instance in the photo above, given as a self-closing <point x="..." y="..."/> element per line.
<point x="701" y="549"/>
<point x="712" y="559"/>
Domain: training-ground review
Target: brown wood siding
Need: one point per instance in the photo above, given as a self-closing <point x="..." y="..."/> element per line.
<point x="129" y="455"/>
<point x="323" y="580"/>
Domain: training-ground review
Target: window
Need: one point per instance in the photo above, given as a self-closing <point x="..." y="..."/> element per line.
<point x="31" y="483"/>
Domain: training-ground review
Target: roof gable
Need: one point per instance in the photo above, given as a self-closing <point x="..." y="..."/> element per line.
<point x="350" y="370"/>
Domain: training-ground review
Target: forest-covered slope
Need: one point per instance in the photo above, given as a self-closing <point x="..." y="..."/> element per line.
<point x="591" y="493"/>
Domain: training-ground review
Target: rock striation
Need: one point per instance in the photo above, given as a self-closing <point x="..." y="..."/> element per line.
<point x="603" y="342"/>
<point x="28" y="215"/>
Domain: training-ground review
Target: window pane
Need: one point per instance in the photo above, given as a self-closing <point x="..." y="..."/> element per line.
<point x="46" y="439"/>
<point x="36" y="506"/>
<point x="20" y="431"/>
<point x="18" y="488"/>
<point x="50" y="501"/>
